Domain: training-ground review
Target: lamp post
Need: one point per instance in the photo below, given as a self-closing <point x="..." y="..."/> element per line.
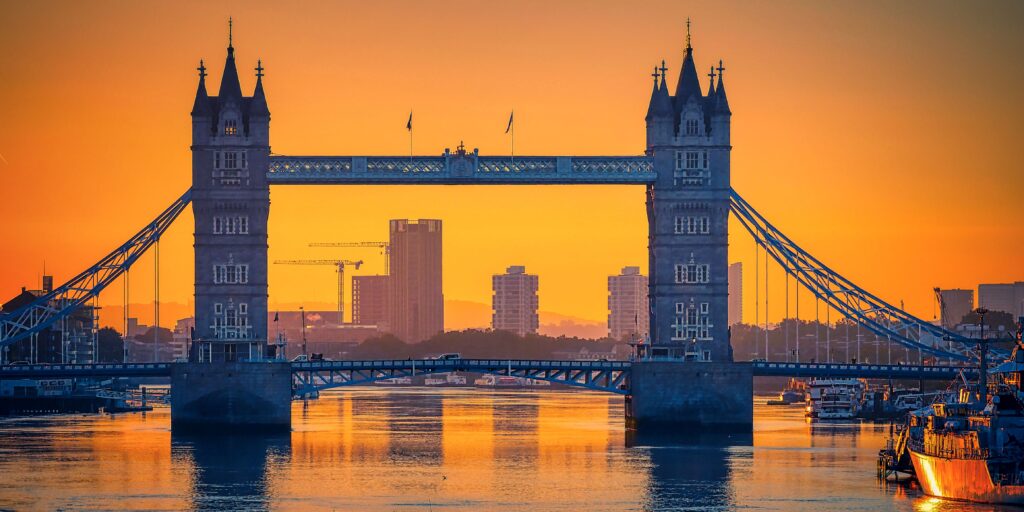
<point x="983" y="346"/>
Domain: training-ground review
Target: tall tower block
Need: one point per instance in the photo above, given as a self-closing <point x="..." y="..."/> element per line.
<point x="231" y="202"/>
<point x="688" y="215"/>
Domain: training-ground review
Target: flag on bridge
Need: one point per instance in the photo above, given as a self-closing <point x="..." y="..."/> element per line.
<point x="509" y="127"/>
<point x="408" y="126"/>
<point x="275" y="316"/>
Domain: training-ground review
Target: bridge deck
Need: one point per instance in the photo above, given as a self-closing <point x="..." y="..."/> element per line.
<point x="453" y="169"/>
<point x="520" y="367"/>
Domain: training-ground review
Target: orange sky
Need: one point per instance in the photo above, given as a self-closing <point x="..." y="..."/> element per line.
<point x="884" y="138"/>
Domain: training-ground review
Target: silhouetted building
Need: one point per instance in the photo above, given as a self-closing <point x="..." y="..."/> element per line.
<point x="415" y="299"/>
<point x="955" y="304"/>
<point x="735" y="294"/>
<point x="72" y="340"/>
<point x="514" y="301"/>
<point x="1004" y="297"/>
<point x="369" y="300"/>
<point x="628" y="317"/>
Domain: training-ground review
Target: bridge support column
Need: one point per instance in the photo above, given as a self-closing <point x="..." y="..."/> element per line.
<point x="691" y="396"/>
<point x="232" y="396"/>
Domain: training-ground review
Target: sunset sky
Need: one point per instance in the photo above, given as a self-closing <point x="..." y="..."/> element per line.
<point x="886" y="138"/>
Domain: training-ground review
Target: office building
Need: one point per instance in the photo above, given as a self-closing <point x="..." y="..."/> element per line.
<point x="415" y="299"/>
<point x="955" y="304"/>
<point x="628" y="316"/>
<point x="735" y="294"/>
<point x="369" y="300"/>
<point x="515" y="301"/>
<point x="1006" y="297"/>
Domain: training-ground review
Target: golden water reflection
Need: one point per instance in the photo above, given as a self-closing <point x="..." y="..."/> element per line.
<point x="401" y="449"/>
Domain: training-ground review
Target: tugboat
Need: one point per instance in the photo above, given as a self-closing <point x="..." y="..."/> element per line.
<point x="969" y="448"/>
<point x="795" y="393"/>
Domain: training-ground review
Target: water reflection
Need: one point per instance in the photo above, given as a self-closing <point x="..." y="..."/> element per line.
<point x="434" y="449"/>
<point x="229" y="471"/>
<point x="690" y="470"/>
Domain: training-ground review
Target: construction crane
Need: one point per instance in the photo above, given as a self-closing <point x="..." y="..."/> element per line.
<point x="385" y="248"/>
<point x="339" y="266"/>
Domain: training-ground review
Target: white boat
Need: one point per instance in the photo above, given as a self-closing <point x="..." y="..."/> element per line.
<point x="834" y="398"/>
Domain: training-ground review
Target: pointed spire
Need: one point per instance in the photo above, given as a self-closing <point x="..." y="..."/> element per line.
<point x="201" y="106"/>
<point x="721" y="100"/>
<point x="689" y="83"/>
<point x="652" y="106"/>
<point x="229" y="85"/>
<point x="661" y="104"/>
<point x="258" y="105"/>
<point x="711" y="82"/>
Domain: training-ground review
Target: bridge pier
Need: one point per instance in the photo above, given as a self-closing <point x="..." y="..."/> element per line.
<point x="691" y="396"/>
<point x="231" y="396"/>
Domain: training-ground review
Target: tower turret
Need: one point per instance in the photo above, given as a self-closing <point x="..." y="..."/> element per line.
<point x="201" y="110"/>
<point x="230" y="204"/>
<point x="721" y="116"/>
<point x="660" y="116"/>
<point x="688" y="212"/>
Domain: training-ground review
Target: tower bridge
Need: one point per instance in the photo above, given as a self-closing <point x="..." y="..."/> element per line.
<point x="685" y="371"/>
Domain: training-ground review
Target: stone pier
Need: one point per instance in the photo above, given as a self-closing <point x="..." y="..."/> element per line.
<point x="697" y="396"/>
<point x="231" y="396"/>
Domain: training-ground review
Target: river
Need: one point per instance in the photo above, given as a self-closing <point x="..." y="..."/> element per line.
<point x="448" y="449"/>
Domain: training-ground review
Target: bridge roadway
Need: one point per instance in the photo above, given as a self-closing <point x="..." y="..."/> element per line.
<point x="611" y="376"/>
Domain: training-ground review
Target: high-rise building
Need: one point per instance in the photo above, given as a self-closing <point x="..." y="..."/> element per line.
<point x="415" y="299"/>
<point x="628" y="316"/>
<point x="1004" y="297"/>
<point x="369" y="300"/>
<point x="735" y="293"/>
<point x="955" y="304"/>
<point x="515" y="301"/>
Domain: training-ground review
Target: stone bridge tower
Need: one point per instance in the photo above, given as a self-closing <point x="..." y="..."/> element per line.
<point x="231" y="202"/>
<point x="688" y="215"/>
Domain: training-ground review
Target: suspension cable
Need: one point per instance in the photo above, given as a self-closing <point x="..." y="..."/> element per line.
<point x="757" y="294"/>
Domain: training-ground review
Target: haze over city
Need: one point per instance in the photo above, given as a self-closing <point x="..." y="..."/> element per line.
<point x="837" y="142"/>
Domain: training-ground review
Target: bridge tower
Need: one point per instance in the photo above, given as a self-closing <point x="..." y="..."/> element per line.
<point x="231" y="202"/>
<point x="688" y="215"/>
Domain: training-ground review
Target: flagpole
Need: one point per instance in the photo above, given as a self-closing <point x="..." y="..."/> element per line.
<point x="513" y="136"/>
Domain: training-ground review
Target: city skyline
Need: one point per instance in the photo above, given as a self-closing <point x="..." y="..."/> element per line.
<point x="158" y="95"/>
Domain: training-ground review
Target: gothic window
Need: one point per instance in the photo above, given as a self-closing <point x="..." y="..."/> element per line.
<point x="679" y="160"/>
<point x="692" y="158"/>
<point x="243" y="309"/>
<point x="704" y="308"/>
<point x="230" y="274"/>
<point x="218" y="225"/>
<point x="231" y="160"/>
<point x="691" y="127"/>
<point x="230" y="127"/>
<point x="243" y="225"/>
<point x="218" y="308"/>
<point x="704" y="159"/>
<point x="692" y="225"/>
<point x="692" y="273"/>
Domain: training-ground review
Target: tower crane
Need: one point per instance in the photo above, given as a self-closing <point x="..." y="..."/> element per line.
<point x="339" y="266"/>
<point x="385" y="248"/>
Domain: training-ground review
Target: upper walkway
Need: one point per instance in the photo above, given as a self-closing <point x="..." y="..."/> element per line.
<point x="456" y="169"/>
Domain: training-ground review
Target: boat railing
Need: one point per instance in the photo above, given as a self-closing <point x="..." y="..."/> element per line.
<point x="944" y="452"/>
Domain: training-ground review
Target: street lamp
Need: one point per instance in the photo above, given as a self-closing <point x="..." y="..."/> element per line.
<point x="983" y="346"/>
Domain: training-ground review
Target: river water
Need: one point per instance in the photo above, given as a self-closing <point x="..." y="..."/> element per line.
<point x="447" y="449"/>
